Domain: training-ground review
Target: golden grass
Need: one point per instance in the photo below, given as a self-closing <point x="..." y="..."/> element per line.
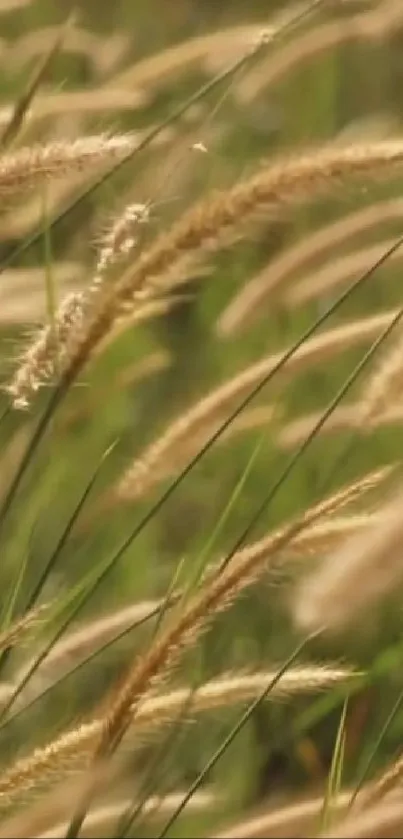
<point x="287" y="180"/>
<point x="48" y="817"/>
<point x="388" y="782"/>
<point x="350" y="417"/>
<point x="22" y="300"/>
<point x="183" y="438"/>
<point x="218" y="592"/>
<point x="139" y="275"/>
<point x="21" y="219"/>
<point x="71" y="750"/>
<point x="378" y="822"/>
<point x="155" y="807"/>
<point x="82" y="102"/>
<point x="28" y="167"/>
<point x="102" y="52"/>
<point x="159" y="67"/>
<point x="384" y="385"/>
<point x="215" y="596"/>
<point x="18" y="629"/>
<point x="38" y="362"/>
<point x="250" y="302"/>
<point x="368" y="564"/>
<point x="295" y="820"/>
<point x="372" y="25"/>
<point x="84" y="641"/>
<point x="328" y="279"/>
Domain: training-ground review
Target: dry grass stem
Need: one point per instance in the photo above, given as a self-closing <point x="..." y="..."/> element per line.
<point x="29" y="166"/>
<point x="103" y="818"/>
<point x="248" y="303"/>
<point x="294" y="821"/>
<point x="184" y="437"/>
<point x="339" y="271"/>
<point x="21" y="292"/>
<point x="102" y="52"/>
<point x="356" y="576"/>
<point x="383" y="821"/>
<point x="85" y="641"/>
<point x="383" y="385"/>
<point x="327" y="534"/>
<point x="18" y="221"/>
<point x="15" y="633"/>
<point x="372" y="25"/>
<point x="85" y="102"/>
<point x="234" y="689"/>
<point x="11" y="5"/>
<point x="313" y="533"/>
<point x="71" y="750"/>
<point x="344" y="418"/>
<point x="380" y="788"/>
<point x="228" y="44"/>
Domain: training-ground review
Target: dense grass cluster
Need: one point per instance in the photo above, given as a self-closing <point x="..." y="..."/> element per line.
<point x="201" y="320"/>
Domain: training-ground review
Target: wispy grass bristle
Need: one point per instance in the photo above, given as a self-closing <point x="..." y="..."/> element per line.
<point x="27" y="167"/>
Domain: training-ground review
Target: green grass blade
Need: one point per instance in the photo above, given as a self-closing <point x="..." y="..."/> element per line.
<point x="397" y="705"/>
<point x="243" y="720"/>
<point x="13" y="127"/>
<point x="64" y="536"/>
<point x="336" y="770"/>
<point x="74" y="670"/>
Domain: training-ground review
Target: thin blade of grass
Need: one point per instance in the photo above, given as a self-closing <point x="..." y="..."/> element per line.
<point x="118" y="637"/>
<point x="50" y="280"/>
<point x="293" y="461"/>
<point x="157" y="764"/>
<point x="336" y="769"/>
<point x="45" y="574"/>
<point x="243" y="720"/>
<point x="199" y="563"/>
<point x="64" y="536"/>
<point x="375" y="748"/>
<point x="319" y="709"/>
<point x="12" y="128"/>
<point x="7" y="612"/>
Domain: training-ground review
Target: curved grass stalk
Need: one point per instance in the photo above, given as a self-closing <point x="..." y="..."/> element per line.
<point x="330" y="277"/>
<point x="249" y="303"/>
<point x="194" y="427"/>
<point x="369" y="26"/>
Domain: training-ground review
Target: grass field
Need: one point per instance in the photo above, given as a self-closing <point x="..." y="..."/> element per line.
<point x="201" y="321"/>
